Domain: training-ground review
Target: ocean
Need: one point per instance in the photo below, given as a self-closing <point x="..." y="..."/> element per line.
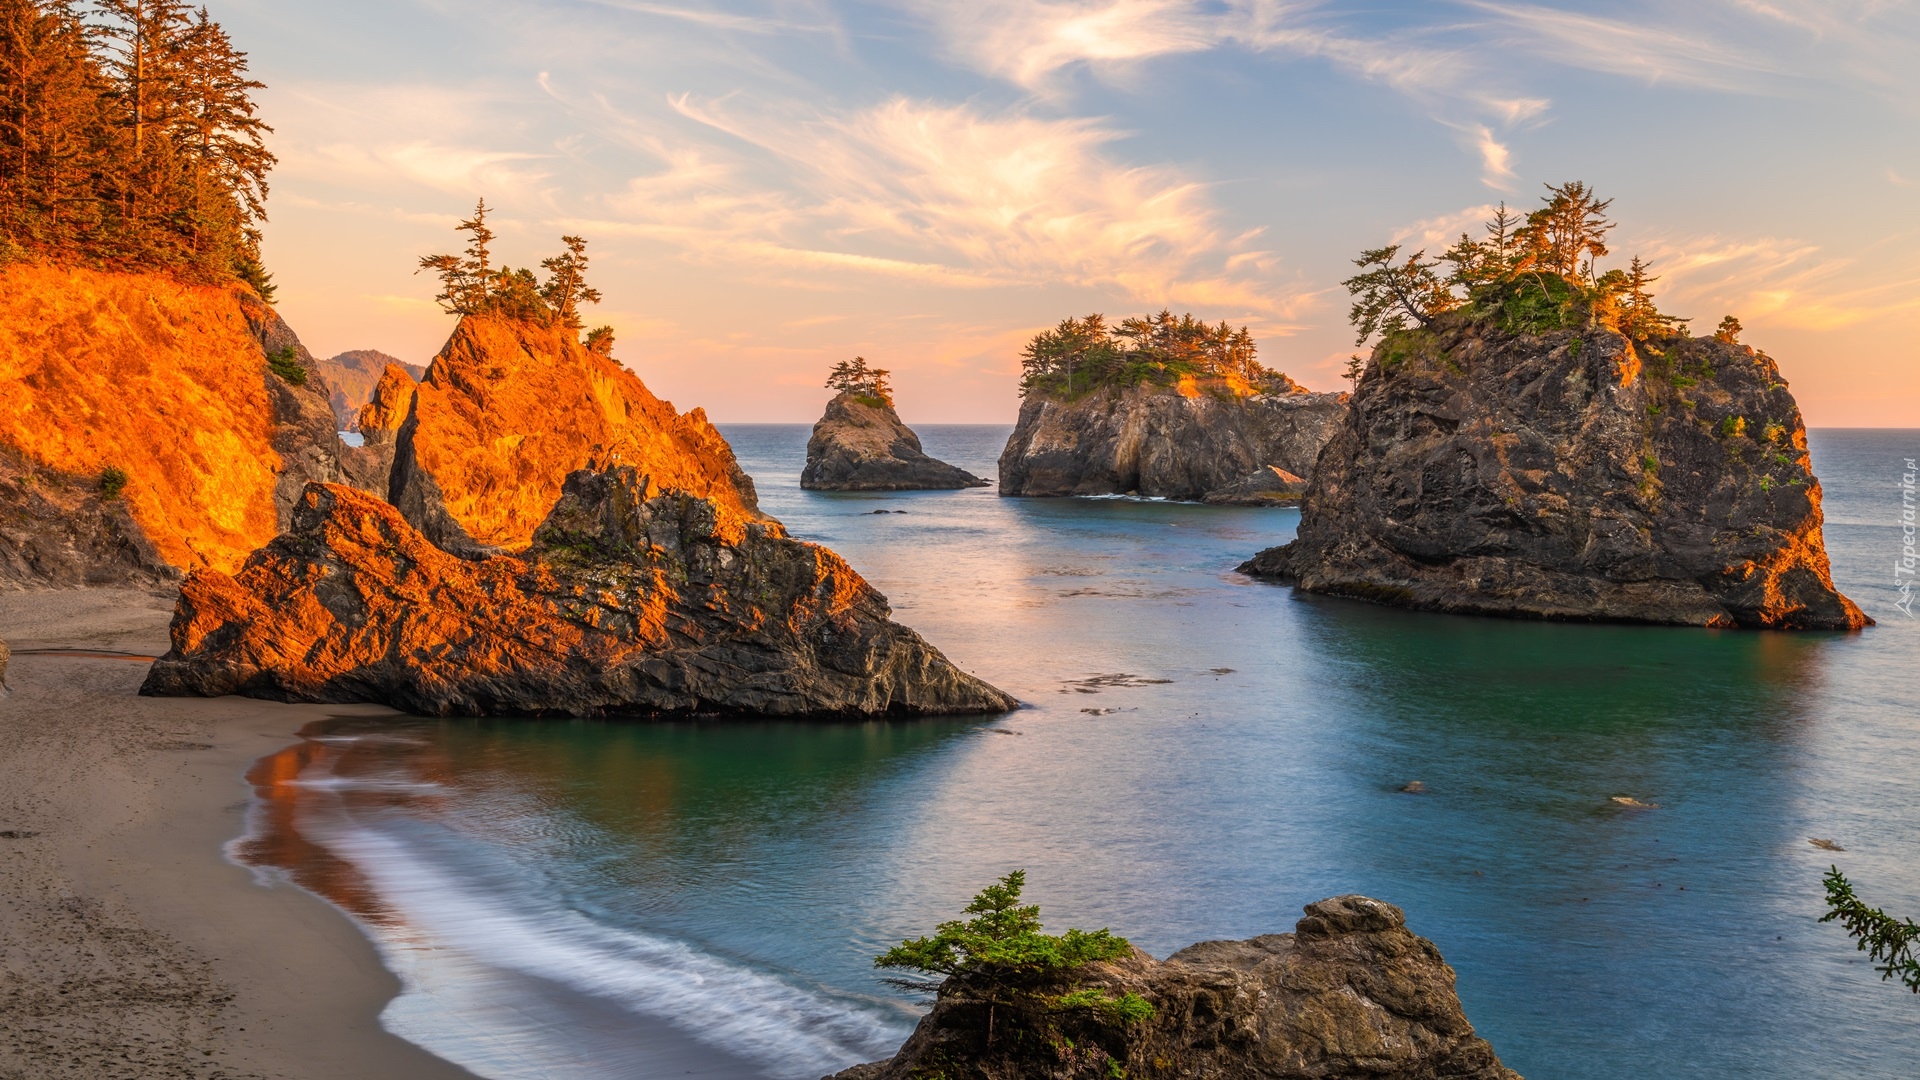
<point x="1198" y="756"/>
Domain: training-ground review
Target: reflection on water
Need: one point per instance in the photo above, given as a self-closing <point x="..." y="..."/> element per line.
<point x="1200" y="755"/>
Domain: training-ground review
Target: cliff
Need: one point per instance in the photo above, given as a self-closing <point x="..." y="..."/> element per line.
<point x="1574" y="475"/>
<point x="166" y="384"/>
<point x="507" y="409"/>
<point x="353" y="375"/>
<point x="859" y="444"/>
<point x="1177" y="442"/>
<point x="629" y="601"/>
<point x="1350" y="994"/>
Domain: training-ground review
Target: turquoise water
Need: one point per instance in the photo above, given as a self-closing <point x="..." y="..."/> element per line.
<point x="1199" y="756"/>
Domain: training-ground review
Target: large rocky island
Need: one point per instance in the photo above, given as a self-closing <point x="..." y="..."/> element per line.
<point x="630" y="601"/>
<point x="1351" y="993"/>
<point x="1162" y="408"/>
<point x="1555" y="447"/>
<point x="859" y="444"/>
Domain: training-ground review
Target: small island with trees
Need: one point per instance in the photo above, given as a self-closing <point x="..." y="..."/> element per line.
<point x="1162" y="406"/>
<point x="860" y="444"/>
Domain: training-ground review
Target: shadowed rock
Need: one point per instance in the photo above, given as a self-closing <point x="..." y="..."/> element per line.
<point x="1576" y="475"/>
<point x="1268" y="486"/>
<point x="1351" y="994"/>
<point x="859" y="444"/>
<point x="1177" y="442"/>
<point x="629" y="602"/>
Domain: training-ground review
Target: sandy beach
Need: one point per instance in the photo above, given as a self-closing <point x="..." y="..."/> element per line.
<point x="129" y="947"/>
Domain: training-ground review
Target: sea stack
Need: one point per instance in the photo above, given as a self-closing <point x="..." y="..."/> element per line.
<point x="1351" y="992"/>
<point x="859" y="444"/>
<point x="1574" y="473"/>
<point x="629" y="600"/>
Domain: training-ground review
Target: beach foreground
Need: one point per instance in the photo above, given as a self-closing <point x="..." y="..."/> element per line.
<point x="129" y="947"/>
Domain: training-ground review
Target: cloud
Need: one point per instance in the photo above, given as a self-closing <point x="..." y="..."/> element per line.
<point x="1436" y="234"/>
<point x="717" y="20"/>
<point x="1783" y="281"/>
<point x="952" y="195"/>
<point x="1495" y="168"/>
<point x="1641" y="49"/>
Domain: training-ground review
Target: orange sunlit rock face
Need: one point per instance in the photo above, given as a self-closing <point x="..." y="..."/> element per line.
<point x="508" y="409"/>
<point x="160" y="379"/>
<point x="630" y="601"/>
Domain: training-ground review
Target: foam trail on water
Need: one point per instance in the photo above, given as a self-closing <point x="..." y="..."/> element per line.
<point x="473" y="960"/>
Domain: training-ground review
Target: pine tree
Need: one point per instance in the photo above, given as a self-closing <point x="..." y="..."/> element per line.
<point x="216" y="121"/>
<point x="566" y="287"/>
<point x="1572" y="227"/>
<point x="466" y="284"/>
<point x="1387" y="293"/>
<point x="51" y="128"/>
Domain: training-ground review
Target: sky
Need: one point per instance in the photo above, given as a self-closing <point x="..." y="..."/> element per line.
<point x="769" y="186"/>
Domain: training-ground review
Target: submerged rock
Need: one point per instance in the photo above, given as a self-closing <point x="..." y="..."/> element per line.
<point x="859" y="444"/>
<point x="629" y="601"/>
<point x="1350" y="994"/>
<point x="1575" y="475"/>
<point x="509" y="408"/>
<point x="1178" y="442"/>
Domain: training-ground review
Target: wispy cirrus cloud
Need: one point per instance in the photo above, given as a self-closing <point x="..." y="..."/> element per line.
<point x="1655" y="50"/>
<point x="1787" y="282"/>
<point x="952" y="194"/>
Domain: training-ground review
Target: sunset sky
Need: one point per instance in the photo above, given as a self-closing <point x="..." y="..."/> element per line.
<point x="772" y="186"/>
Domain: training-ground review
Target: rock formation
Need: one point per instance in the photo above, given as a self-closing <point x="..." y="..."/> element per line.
<point x="630" y="601"/>
<point x="370" y="465"/>
<point x="1575" y="475"/>
<point x="1351" y="994"/>
<point x="64" y="531"/>
<point x="1177" y="442"/>
<point x="168" y="385"/>
<point x="353" y="376"/>
<point x="509" y="408"/>
<point x="1270" y="485"/>
<point x="861" y="445"/>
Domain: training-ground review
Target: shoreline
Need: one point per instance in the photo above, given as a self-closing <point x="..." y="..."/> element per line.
<point x="129" y="945"/>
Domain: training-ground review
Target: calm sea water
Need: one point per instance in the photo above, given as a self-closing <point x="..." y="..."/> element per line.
<point x="1199" y="756"/>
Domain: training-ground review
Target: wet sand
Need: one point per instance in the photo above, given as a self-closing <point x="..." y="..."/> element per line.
<point x="129" y="947"/>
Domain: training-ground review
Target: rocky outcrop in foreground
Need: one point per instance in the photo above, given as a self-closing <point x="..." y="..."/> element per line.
<point x="508" y="408"/>
<point x="860" y="444"/>
<point x="1177" y="442"/>
<point x="156" y="397"/>
<point x="1350" y="994"/>
<point x="629" y="601"/>
<point x="1575" y="475"/>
